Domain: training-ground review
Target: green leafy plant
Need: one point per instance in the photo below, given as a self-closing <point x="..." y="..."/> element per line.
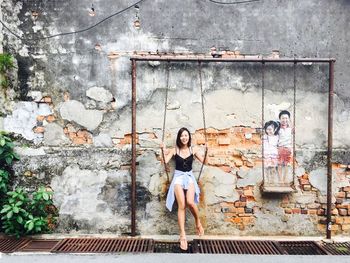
<point x="7" y="154"/>
<point x="14" y="212"/>
<point x="23" y="215"/>
<point x="4" y="181"/>
<point x="6" y="64"/>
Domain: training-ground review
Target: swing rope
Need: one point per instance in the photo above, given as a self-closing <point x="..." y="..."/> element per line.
<point x="164" y="118"/>
<point x="203" y="115"/>
<point x="294" y="115"/>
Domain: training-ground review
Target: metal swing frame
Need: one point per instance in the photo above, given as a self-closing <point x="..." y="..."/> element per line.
<point x="197" y="59"/>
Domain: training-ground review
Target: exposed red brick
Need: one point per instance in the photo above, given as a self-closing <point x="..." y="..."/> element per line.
<point x="303" y="211"/>
<point x="339" y="220"/>
<point x="339" y="200"/>
<point x="50" y="118"/>
<point x="343" y="212"/>
<point x="314" y="206"/>
<point x="89" y="140"/>
<point x="345" y="206"/>
<point x="78" y="140"/>
<point x="248" y="192"/>
<point x="237" y="220"/>
<point x="72" y="135"/>
<point x="321" y="227"/>
<point x="200" y="141"/>
<point x="240" y="210"/>
<point x="83" y="134"/>
<point x="296" y="210"/>
<point x="230" y="215"/>
<point x="226" y="169"/>
<point x="346" y="220"/>
<point x="240" y="204"/>
<point x="335" y="227"/>
<point x="312" y="211"/>
<point x="247" y="220"/>
<point x="224" y="141"/>
<point x="345" y="227"/>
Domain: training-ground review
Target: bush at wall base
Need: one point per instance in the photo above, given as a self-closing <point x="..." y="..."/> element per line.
<point x="24" y="214"/>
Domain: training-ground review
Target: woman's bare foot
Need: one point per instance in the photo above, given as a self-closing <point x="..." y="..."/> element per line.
<point x="183" y="242"/>
<point x="200" y="229"/>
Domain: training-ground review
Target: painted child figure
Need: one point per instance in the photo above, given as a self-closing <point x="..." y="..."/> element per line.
<point x="284" y="145"/>
<point x="270" y="140"/>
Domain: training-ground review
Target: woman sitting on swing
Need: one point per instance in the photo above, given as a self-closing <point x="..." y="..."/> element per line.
<point x="184" y="186"/>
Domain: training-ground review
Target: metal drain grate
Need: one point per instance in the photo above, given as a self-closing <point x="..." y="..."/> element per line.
<point x="39" y="245"/>
<point x="103" y="245"/>
<point x="9" y="245"/>
<point x="171" y="247"/>
<point x="342" y="248"/>
<point x="302" y="248"/>
<point x="236" y="247"/>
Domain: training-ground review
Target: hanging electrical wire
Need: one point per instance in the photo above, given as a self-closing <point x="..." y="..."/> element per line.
<point x="233" y="3"/>
<point x="73" y="32"/>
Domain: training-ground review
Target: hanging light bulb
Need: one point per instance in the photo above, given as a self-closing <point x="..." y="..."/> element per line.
<point x="92" y="10"/>
<point x="137" y="23"/>
<point x="35" y="15"/>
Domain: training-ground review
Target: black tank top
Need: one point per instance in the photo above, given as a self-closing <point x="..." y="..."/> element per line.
<point x="183" y="164"/>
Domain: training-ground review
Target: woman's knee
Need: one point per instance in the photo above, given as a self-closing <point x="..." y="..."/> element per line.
<point x="190" y="203"/>
<point x="181" y="205"/>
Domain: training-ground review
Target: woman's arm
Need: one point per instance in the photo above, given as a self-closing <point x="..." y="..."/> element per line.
<point x="198" y="155"/>
<point x="168" y="154"/>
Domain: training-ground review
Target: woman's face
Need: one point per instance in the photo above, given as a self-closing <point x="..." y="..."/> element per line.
<point x="184" y="138"/>
<point x="270" y="130"/>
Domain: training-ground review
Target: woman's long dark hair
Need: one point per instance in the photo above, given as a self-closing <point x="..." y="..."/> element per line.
<point x="178" y="141"/>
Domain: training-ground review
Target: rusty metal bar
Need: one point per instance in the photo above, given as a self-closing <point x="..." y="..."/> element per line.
<point x="207" y="59"/>
<point x="133" y="150"/>
<point x="330" y="146"/>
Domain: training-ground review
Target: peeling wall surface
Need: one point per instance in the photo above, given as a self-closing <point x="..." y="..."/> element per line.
<point x="71" y="110"/>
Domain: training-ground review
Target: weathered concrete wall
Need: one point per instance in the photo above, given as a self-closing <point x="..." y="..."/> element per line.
<point x="72" y="109"/>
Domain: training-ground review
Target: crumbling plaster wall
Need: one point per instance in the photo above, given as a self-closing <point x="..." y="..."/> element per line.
<point x="74" y="95"/>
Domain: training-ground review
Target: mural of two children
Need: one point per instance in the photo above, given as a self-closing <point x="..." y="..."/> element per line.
<point x="278" y="146"/>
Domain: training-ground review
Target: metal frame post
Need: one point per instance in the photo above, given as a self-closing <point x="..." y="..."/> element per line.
<point x="133" y="150"/>
<point x="330" y="147"/>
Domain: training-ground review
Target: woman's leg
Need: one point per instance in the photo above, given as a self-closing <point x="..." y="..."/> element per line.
<point x="181" y="212"/>
<point x="193" y="208"/>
